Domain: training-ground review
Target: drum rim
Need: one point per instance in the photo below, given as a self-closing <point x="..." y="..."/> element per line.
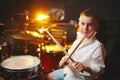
<point x="34" y="66"/>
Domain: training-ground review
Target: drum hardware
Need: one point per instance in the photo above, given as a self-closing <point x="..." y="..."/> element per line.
<point x="26" y="48"/>
<point x="6" y="47"/>
<point x="40" y="51"/>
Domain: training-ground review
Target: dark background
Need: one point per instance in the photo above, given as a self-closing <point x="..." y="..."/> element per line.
<point x="107" y="10"/>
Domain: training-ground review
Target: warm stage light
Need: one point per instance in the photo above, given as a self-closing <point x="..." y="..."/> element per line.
<point x="41" y="17"/>
<point x="27" y="17"/>
<point x="38" y="49"/>
<point x="42" y="30"/>
<point x="0" y="47"/>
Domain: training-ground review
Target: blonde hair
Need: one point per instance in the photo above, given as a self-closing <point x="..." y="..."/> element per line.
<point x="90" y="13"/>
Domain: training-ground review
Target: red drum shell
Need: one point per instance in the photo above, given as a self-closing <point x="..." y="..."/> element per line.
<point x="50" y="61"/>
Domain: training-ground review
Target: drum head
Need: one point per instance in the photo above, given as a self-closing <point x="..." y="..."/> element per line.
<point x="20" y="62"/>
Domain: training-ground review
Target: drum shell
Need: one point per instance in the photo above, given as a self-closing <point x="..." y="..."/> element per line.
<point x="23" y="74"/>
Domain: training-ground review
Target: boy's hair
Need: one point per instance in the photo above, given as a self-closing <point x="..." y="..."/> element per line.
<point x="90" y="13"/>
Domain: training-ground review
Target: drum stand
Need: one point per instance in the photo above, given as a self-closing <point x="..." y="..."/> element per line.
<point x="26" y="48"/>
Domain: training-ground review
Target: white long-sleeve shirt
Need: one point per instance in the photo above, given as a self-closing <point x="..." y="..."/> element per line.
<point x="91" y="54"/>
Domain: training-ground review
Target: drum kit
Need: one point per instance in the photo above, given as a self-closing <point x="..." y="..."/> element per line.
<point x="29" y="52"/>
<point x="38" y="56"/>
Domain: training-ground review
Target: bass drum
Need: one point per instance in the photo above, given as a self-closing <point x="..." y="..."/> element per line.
<point x="23" y="67"/>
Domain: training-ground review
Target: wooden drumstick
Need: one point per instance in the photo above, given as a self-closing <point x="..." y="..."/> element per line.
<point x="75" y="49"/>
<point x="78" y="46"/>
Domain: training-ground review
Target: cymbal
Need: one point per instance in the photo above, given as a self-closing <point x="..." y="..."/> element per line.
<point x="17" y="34"/>
<point x="35" y="34"/>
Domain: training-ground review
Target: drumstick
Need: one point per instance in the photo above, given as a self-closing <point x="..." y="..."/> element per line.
<point x="78" y="46"/>
<point x="59" y="45"/>
<point x="75" y="49"/>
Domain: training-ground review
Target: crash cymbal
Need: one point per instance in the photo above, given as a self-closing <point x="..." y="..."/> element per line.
<point x="18" y="34"/>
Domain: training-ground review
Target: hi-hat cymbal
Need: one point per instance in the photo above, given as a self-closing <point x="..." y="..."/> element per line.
<point x="17" y="34"/>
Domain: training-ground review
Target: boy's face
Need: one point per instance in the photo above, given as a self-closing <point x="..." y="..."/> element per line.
<point x="87" y="25"/>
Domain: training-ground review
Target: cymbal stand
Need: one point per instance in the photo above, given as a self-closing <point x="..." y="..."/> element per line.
<point x="26" y="48"/>
<point x="24" y="29"/>
<point x="40" y="48"/>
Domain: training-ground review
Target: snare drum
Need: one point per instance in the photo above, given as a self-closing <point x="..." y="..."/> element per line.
<point x="20" y="67"/>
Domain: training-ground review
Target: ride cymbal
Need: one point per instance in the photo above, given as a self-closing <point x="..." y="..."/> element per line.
<point x="17" y="34"/>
